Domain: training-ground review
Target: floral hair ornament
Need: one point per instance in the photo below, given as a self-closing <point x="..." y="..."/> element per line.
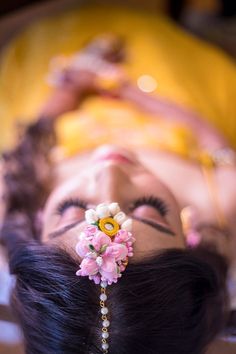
<point x="105" y="245"/>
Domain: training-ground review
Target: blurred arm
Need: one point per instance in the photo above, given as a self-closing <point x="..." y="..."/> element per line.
<point x="208" y="136"/>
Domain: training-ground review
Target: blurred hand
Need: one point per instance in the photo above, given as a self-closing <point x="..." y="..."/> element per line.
<point x="86" y="72"/>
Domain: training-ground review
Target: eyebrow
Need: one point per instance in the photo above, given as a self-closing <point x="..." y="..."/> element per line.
<point x="153" y="224"/>
<point x="64" y="229"/>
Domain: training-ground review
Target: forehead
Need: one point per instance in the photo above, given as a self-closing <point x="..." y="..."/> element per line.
<point x="147" y="241"/>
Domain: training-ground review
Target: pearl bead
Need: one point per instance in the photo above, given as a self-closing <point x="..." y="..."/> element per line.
<point x="106" y="323"/>
<point x="104" y="310"/>
<point x="105" y="335"/>
<point x="105" y="346"/>
<point x="103" y="284"/>
<point x="103" y="297"/>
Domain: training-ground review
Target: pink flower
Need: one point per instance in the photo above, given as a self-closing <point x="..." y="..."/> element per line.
<point x="88" y="267"/>
<point x="118" y="251"/>
<point x="109" y="265"/>
<point x="108" y="269"/>
<point x="82" y="247"/>
<point x="90" y="230"/>
<point x="87" y="244"/>
<point x="100" y="247"/>
<point x="100" y="240"/>
<point x="110" y="277"/>
<point x="122" y="236"/>
<point x="96" y="278"/>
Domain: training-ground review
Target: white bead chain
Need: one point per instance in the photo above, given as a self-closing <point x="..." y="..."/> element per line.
<point x="105" y="322"/>
<point x="107" y="235"/>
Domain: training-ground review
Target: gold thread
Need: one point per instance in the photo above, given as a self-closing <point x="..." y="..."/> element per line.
<point x="104" y="329"/>
<point x="104" y="340"/>
<point x="125" y="263"/>
<point x="104" y="317"/>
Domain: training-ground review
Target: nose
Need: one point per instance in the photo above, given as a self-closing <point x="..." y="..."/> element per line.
<point x="112" y="182"/>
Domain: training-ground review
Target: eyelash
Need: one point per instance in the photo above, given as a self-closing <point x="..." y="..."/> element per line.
<point x="67" y="203"/>
<point x="155" y="202"/>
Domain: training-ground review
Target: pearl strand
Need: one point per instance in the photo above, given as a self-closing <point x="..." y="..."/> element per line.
<point x="105" y="322"/>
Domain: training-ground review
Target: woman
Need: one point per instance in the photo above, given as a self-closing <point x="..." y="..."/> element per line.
<point x="170" y="299"/>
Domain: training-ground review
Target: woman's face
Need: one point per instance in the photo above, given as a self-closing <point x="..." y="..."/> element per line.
<point x="112" y="174"/>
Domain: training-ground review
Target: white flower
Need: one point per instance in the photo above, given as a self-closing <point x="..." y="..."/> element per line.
<point x="114" y="208"/>
<point x="120" y="217"/>
<point x="101" y="205"/>
<point x="102" y="211"/>
<point x="91" y="216"/>
<point x="105" y="210"/>
<point x="127" y="225"/>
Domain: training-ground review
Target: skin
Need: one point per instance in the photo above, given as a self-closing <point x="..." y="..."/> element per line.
<point x="96" y="179"/>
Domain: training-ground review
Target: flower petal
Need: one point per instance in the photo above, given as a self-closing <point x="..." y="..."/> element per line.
<point x="100" y="239"/>
<point x="114" y="208"/>
<point x="120" y="217"/>
<point x="118" y="251"/>
<point x="91" y="216"/>
<point x="82" y="248"/>
<point x="108" y="265"/>
<point x="122" y="236"/>
<point x="110" y="277"/>
<point x="96" y="278"/>
<point x="102" y="211"/>
<point x="88" y="266"/>
<point x="90" y="230"/>
<point x="127" y="225"/>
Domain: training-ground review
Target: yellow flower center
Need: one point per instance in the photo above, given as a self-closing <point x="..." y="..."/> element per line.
<point x="109" y="226"/>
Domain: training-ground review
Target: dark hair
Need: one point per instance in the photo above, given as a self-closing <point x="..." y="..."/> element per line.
<point x="27" y="177"/>
<point x="173" y="302"/>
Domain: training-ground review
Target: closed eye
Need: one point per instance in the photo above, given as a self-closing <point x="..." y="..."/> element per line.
<point x="155" y="202"/>
<point x="68" y="203"/>
<point x="152" y="201"/>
